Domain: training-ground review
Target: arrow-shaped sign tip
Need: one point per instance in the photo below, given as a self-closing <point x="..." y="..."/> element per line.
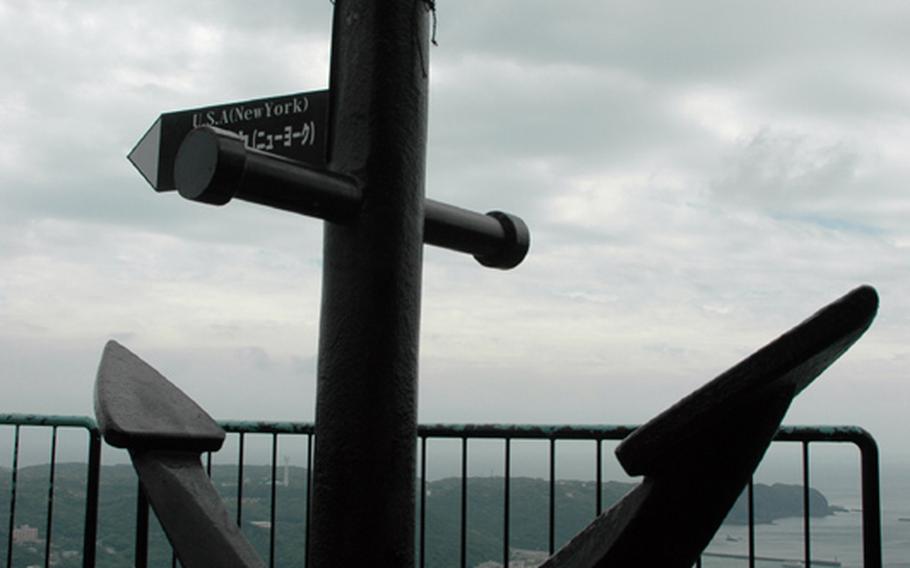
<point x="144" y="156"/>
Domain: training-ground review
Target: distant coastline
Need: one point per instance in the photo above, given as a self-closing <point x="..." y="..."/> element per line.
<point x="573" y="506"/>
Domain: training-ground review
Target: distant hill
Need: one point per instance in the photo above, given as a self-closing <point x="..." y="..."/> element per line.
<point x="575" y="507"/>
<point x="528" y="527"/>
<point x="780" y="501"/>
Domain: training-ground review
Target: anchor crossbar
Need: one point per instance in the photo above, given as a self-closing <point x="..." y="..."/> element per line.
<point x="214" y="165"/>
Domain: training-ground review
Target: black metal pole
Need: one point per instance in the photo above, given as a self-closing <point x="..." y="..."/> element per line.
<point x="366" y="409"/>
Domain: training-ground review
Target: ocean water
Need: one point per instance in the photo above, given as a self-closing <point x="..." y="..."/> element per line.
<point x="833" y="538"/>
<point x="834" y="469"/>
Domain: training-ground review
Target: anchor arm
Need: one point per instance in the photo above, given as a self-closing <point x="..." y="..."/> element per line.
<point x="697" y="456"/>
<point x="165" y="433"/>
<point x="191" y="511"/>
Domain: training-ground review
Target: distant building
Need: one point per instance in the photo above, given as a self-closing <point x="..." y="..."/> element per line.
<point x="25" y="534"/>
<point x="520" y="559"/>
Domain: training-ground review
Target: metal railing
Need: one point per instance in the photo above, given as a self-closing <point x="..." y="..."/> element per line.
<point x="93" y="468"/>
<point x="869" y="472"/>
<point x="551" y="435"/>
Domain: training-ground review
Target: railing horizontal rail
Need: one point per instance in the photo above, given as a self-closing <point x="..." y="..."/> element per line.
<point x="261" y="427"/>
<point x="63" y="421"/>
<point x="526" y="431"/>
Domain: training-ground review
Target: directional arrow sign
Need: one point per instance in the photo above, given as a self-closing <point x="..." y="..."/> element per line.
<point x="293" y="126"/>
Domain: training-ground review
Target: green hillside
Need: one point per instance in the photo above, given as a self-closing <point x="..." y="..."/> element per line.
<point x="528" y="527"/>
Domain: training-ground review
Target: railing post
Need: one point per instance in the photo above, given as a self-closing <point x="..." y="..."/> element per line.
<point x="872" y="513"/>
<point x="49" y="524"/>
<point x="12" y="498"/>
<point x="90" y="535"/>
<point x="141" y="553"/>
<point x="366" y="418"/>
<point x="807" y="513"/>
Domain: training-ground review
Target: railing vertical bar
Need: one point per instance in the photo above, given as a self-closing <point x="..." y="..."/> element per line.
<point x="751" y="507"/>
<point x="872" y="514"/>
<point x="142" y="527"/>
<point x="50" y="499"/>
<point x="240" y="482"/>
<point x="464" y="503"/>
<point x="309" y="498"/>
<point x="173" y="557"/>
<point x="506" y="504"/>
<point x="93" y="481"/>
<point x="552" y="512"/>
<point x="421" y="552"/>
<point x="12" y="502"/>
<point x="599" y="478"/>
<point x="273" y="502"/>
<point x="208" y="471"/>
<point x="807" y="552"/>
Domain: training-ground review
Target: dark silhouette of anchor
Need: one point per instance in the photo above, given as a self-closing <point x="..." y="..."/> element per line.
<point x="695" y="457"/>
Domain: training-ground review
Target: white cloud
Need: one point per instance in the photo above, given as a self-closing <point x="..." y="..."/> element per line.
<point x="697" y="178"/>
<point x="719" y="111"/>
<point x="787" y="172"/>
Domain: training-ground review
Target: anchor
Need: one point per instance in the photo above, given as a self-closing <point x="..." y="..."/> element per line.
<point x="695" y="457"/>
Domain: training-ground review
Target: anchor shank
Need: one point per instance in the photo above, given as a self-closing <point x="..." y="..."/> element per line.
<point x="191" y="511"/>
<point x="363" y="511"/>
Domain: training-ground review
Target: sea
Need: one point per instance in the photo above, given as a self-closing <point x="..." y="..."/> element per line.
<point x="835" y="540"/>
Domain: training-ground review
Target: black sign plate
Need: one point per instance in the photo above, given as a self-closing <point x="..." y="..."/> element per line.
<point x="293" y="126"/>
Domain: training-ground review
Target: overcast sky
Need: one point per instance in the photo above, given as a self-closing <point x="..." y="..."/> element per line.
<point x="698" y="177"/>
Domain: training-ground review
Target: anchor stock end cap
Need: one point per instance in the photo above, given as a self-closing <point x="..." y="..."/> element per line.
<point x="209" y="165"/>
<point x="516" y="243"/>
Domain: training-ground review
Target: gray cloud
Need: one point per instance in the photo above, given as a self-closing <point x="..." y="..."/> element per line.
<point x="785" y="173"/>
<point x="697" y="177"/>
